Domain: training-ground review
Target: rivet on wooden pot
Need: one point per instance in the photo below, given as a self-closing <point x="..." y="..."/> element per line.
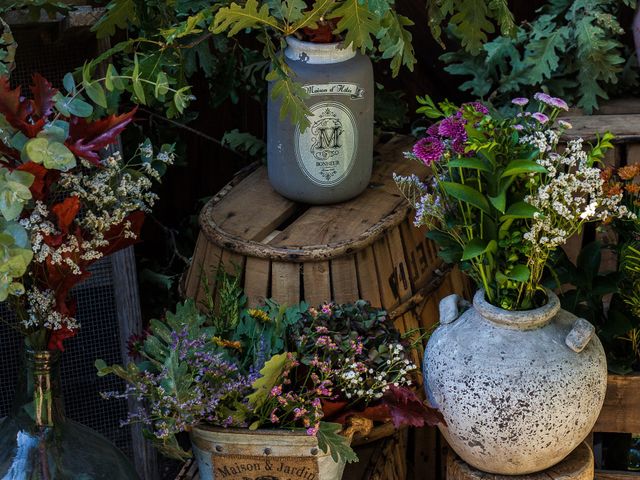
<point x="267" y="451"/>
<point x="314" y="451"/>
<point x="218" y="448"/>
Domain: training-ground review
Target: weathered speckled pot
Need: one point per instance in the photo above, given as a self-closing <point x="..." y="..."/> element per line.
<point x="518" y="390"/>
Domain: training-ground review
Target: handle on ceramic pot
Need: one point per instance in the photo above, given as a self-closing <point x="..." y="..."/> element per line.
<point x="580" y="335"/>
<point x="450" y="308"/>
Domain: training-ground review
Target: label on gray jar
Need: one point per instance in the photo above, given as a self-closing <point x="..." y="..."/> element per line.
<point x="353" y="90"/>
<point x="326" y="150"/>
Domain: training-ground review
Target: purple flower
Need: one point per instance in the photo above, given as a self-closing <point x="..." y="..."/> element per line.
<point x="452" y="128"/>
<point x="521" y="101"/>
<point x="458" y="145"/>
<point x="558" y="103"/>
<point x="540" y="117"/>
<point x="543" y="97"/>
<point x="478" y="107"/>
<point x="518" y="127"/>
<point x="428" y="150"/>
<point x="432" y="131"/>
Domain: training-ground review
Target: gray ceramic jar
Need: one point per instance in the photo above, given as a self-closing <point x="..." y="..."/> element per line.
<point x="519" y="390"/>
<point x="331" y="160"/>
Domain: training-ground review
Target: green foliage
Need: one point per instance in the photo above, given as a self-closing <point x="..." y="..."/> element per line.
<point x="270" y="374"/>
<point x="14" y="192"/>
<point x="589" y="297"/>
<point x="118" y="15"/>
<point x="15" y="248"/>
<point x="573" y="49"/>
<point x="391" y="109"/>
<point x="167" y="44"/>
<point x="330" y="440"/>
<point x="360" y="25"/>
<point x="54" y="155"/>
<point x="472" y="20"/>
<point x="8" y="48"/>
<point x="244" y="142"/>
<point x="35" y="8"/>
<point x="16" y="255"/>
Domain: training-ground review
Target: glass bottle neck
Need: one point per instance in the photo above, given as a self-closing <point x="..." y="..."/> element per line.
<point x="39" y="393"/>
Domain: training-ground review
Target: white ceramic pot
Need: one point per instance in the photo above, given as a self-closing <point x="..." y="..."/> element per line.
<point x="518" y="390"/>
<point x="261" y="455"/>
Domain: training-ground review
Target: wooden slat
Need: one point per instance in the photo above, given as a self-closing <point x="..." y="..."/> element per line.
<point x="624" y="127"/>
<point x="257" y="280"/>
<point x="573" y="246"/>
<point x="252" y="209"/>
<point x="344" y="280"/>
<point x="633" y="153"/>
<point x="317" y="283"/>
<point x="285" y="282"/>
<point x="194" y="277"/>
<point x="189" y="471"/>
<point x="400" y="268"/>
<point x="430" y="315"/>
<point x="423" y="441"/>
<point x="621" y="411"/>
<point x="615" y="475"/>
<point x="368" y="277"/>
<point x="411" y="322"/>
<point x="384" y="267"/>
<point x="232" y="263"/>
<point x="210" y="263"/>
<point x="613" y="157"/>
<point x="418" y="271"/>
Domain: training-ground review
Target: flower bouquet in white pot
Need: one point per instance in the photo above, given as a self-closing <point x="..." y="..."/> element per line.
<point x="519" y="381"/>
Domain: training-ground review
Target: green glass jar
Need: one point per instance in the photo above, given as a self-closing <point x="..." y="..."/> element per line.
<point x="37" y="442"/>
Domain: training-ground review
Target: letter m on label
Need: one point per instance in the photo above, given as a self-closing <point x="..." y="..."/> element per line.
<point x="329" y="137"/>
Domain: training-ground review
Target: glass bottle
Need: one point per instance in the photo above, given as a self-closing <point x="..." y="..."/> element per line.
<point x="37" y="442"/>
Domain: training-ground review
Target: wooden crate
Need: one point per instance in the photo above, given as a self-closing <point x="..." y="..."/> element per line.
<point x="620" y="414"/>
<point x="364" y="248"/>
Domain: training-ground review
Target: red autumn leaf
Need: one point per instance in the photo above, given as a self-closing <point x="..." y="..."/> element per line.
<point x="115" y="236"/>
<point x="58" y="336"/>
<point x="43" y="93"/>
<point x="330" y="408"/>
<point x="18" y="110"/>
<point x="408" y="409"/>
<point x="323" y="33"/>
<point x="86" y="139"/>
<point x="39" y="172"/>
<point x="81" y="150"/>
<point x="10" y="102"/>
<point x="66" y="212"/>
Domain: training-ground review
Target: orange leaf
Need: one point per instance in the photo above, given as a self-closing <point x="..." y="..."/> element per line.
<point x="66" y="212"/>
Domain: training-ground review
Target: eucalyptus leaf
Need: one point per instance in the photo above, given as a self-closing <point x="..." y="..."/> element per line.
<point x="53" y="155"/>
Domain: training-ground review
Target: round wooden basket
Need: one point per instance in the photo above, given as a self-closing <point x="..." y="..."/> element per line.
<point x="365" y="248"/>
